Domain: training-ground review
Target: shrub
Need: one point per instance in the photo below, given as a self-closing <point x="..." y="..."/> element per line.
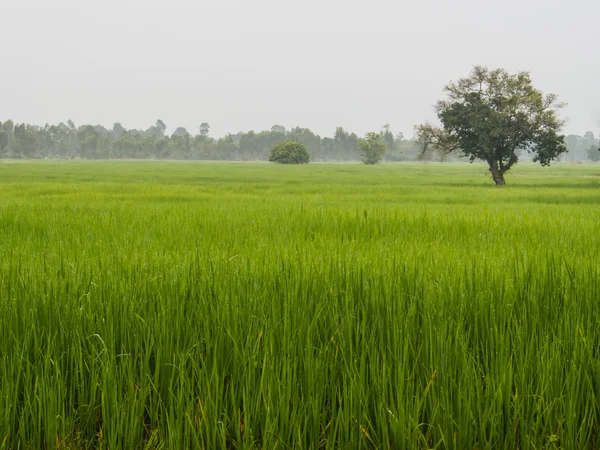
<point x="289" y="153"/>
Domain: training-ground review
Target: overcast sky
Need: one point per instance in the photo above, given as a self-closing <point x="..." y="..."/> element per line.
<point x="249" y="64"/>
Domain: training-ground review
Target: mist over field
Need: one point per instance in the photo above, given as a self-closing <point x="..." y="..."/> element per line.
<point x="102" y="77"/>
<point x="243" y="66"/>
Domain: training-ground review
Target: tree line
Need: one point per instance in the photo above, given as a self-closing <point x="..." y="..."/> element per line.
<point x="68" y="141"/>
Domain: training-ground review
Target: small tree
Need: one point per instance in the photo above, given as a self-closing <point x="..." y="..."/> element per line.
<point x="289" y="153"/>
<point x="372" y="148"/>
<point x="593" y="153"/>
<point x="204" y="129"/>
<point x="160" y="128"/>
<point x="493" y="115"/>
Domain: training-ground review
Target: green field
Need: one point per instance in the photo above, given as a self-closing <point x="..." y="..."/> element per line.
<point x="207" y="306"/>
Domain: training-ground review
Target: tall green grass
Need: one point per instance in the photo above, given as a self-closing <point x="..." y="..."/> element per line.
<point x="165" y="305"/>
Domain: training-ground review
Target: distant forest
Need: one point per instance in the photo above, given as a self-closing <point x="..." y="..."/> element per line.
<point x="67" y="141"/>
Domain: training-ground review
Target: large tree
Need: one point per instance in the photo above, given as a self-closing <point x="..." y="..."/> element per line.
<point x="492" y="116"/>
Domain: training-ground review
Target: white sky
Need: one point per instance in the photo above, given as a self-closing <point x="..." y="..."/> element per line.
<point x="249" y="64"/>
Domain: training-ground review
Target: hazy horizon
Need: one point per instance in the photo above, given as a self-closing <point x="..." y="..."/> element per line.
<point x="240" y="65"/>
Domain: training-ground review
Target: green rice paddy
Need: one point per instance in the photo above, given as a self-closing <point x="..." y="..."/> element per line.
<point x="253" y="306"/>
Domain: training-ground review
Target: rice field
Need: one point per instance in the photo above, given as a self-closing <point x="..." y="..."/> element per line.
<point x="157" y="305"/>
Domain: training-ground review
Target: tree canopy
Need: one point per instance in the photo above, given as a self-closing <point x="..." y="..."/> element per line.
<point x="492" y="115"/>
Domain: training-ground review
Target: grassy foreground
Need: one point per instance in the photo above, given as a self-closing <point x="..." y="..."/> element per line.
<point x="206" y="306"/>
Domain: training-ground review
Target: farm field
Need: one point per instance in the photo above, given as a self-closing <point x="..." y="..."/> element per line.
<point x="254" y="306"/>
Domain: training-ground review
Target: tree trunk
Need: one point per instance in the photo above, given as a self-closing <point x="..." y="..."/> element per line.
<point x="497" y="174"/>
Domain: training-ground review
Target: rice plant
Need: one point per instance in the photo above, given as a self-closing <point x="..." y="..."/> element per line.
<point x="172" y="305"/>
